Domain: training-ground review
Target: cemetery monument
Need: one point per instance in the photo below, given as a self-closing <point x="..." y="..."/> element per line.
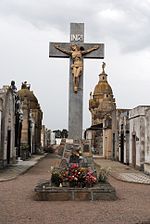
<point x="76" y="50"/>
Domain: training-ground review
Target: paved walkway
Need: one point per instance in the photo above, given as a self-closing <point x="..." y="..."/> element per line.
<point x="123" y="172"/>
<point x="118" y="170"/>
<point x="11" y="172"/>
<point x="18" y="207"/>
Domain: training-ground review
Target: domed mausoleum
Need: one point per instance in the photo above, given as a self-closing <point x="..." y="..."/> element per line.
<point x="103" y="108"/>
<point x="31" y="122"/>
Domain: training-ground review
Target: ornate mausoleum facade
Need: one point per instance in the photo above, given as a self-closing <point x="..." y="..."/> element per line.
<point x="103" y="108"/>
<point x="31" y="121"/>
<point x="118" y="134"/>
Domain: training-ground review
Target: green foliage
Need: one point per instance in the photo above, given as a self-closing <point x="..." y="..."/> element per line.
<point x="103" y="173"/>
<point x="56" y="178"/>
<point x="61" y="134"/>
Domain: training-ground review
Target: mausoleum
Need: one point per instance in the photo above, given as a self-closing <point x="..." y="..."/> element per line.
<point x="102" y="107"/>
<point x="32" y="121"/>
<point x="7" y="127"/>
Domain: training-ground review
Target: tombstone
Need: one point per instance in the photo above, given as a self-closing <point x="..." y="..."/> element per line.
<point x="76" y="50"/>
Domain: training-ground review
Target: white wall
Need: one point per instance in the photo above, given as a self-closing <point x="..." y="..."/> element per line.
<point x="53" y="138"/>
<point x="58" y="141"/>
<point x="140" y="125"/>
<point x="147" y="143"/>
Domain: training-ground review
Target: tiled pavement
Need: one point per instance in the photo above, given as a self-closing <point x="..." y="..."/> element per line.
<point x="133" y="177"/>
<point x="21" y="167"/>
<point x="123" y="172"/>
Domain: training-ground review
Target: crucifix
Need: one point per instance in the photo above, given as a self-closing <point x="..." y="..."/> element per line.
<point x="76" y="50"/>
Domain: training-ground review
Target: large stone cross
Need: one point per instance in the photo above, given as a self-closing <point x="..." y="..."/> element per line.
<point x="76" y="50"/>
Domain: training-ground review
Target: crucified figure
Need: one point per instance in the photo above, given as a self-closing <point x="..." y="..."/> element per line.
<point x="76" y="53"/>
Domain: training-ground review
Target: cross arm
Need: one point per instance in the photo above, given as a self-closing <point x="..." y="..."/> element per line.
<point x="97" y="53"/>
<point x="54" y="52"/>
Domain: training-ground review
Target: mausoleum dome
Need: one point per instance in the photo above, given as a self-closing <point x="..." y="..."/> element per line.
<point x="25" y="92"/>
<point x="102" y="97"/>
<point x="102" y="88"/>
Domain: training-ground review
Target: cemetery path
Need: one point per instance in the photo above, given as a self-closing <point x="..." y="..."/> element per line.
<point x="18" y="207"/>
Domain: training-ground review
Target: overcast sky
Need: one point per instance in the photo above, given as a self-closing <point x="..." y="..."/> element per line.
<point x="27" y="27"/>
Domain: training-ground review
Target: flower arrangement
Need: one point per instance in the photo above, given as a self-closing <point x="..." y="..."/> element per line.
<point x="56" y="178"/>
<point x="90" y="179"/>
<point x="103" y="173"/>
<point x="74" y="176"/>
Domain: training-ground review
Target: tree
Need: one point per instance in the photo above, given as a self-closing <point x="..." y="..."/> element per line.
<point x="64" y="133"/>
<point x="57" y="133"/>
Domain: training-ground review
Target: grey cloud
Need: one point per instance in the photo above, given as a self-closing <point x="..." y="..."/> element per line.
<point x="124" y="23"/>
<point x="128" y="31"/>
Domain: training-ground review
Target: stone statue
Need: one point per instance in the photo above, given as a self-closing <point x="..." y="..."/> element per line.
<point x="76" y="53"/>
<point x="25" y="85"/>
<point x="103" y="67"/>
<point x="13" y="86"/>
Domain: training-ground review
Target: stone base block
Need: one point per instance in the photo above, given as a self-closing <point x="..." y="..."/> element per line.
<point x="102" y="191"/>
